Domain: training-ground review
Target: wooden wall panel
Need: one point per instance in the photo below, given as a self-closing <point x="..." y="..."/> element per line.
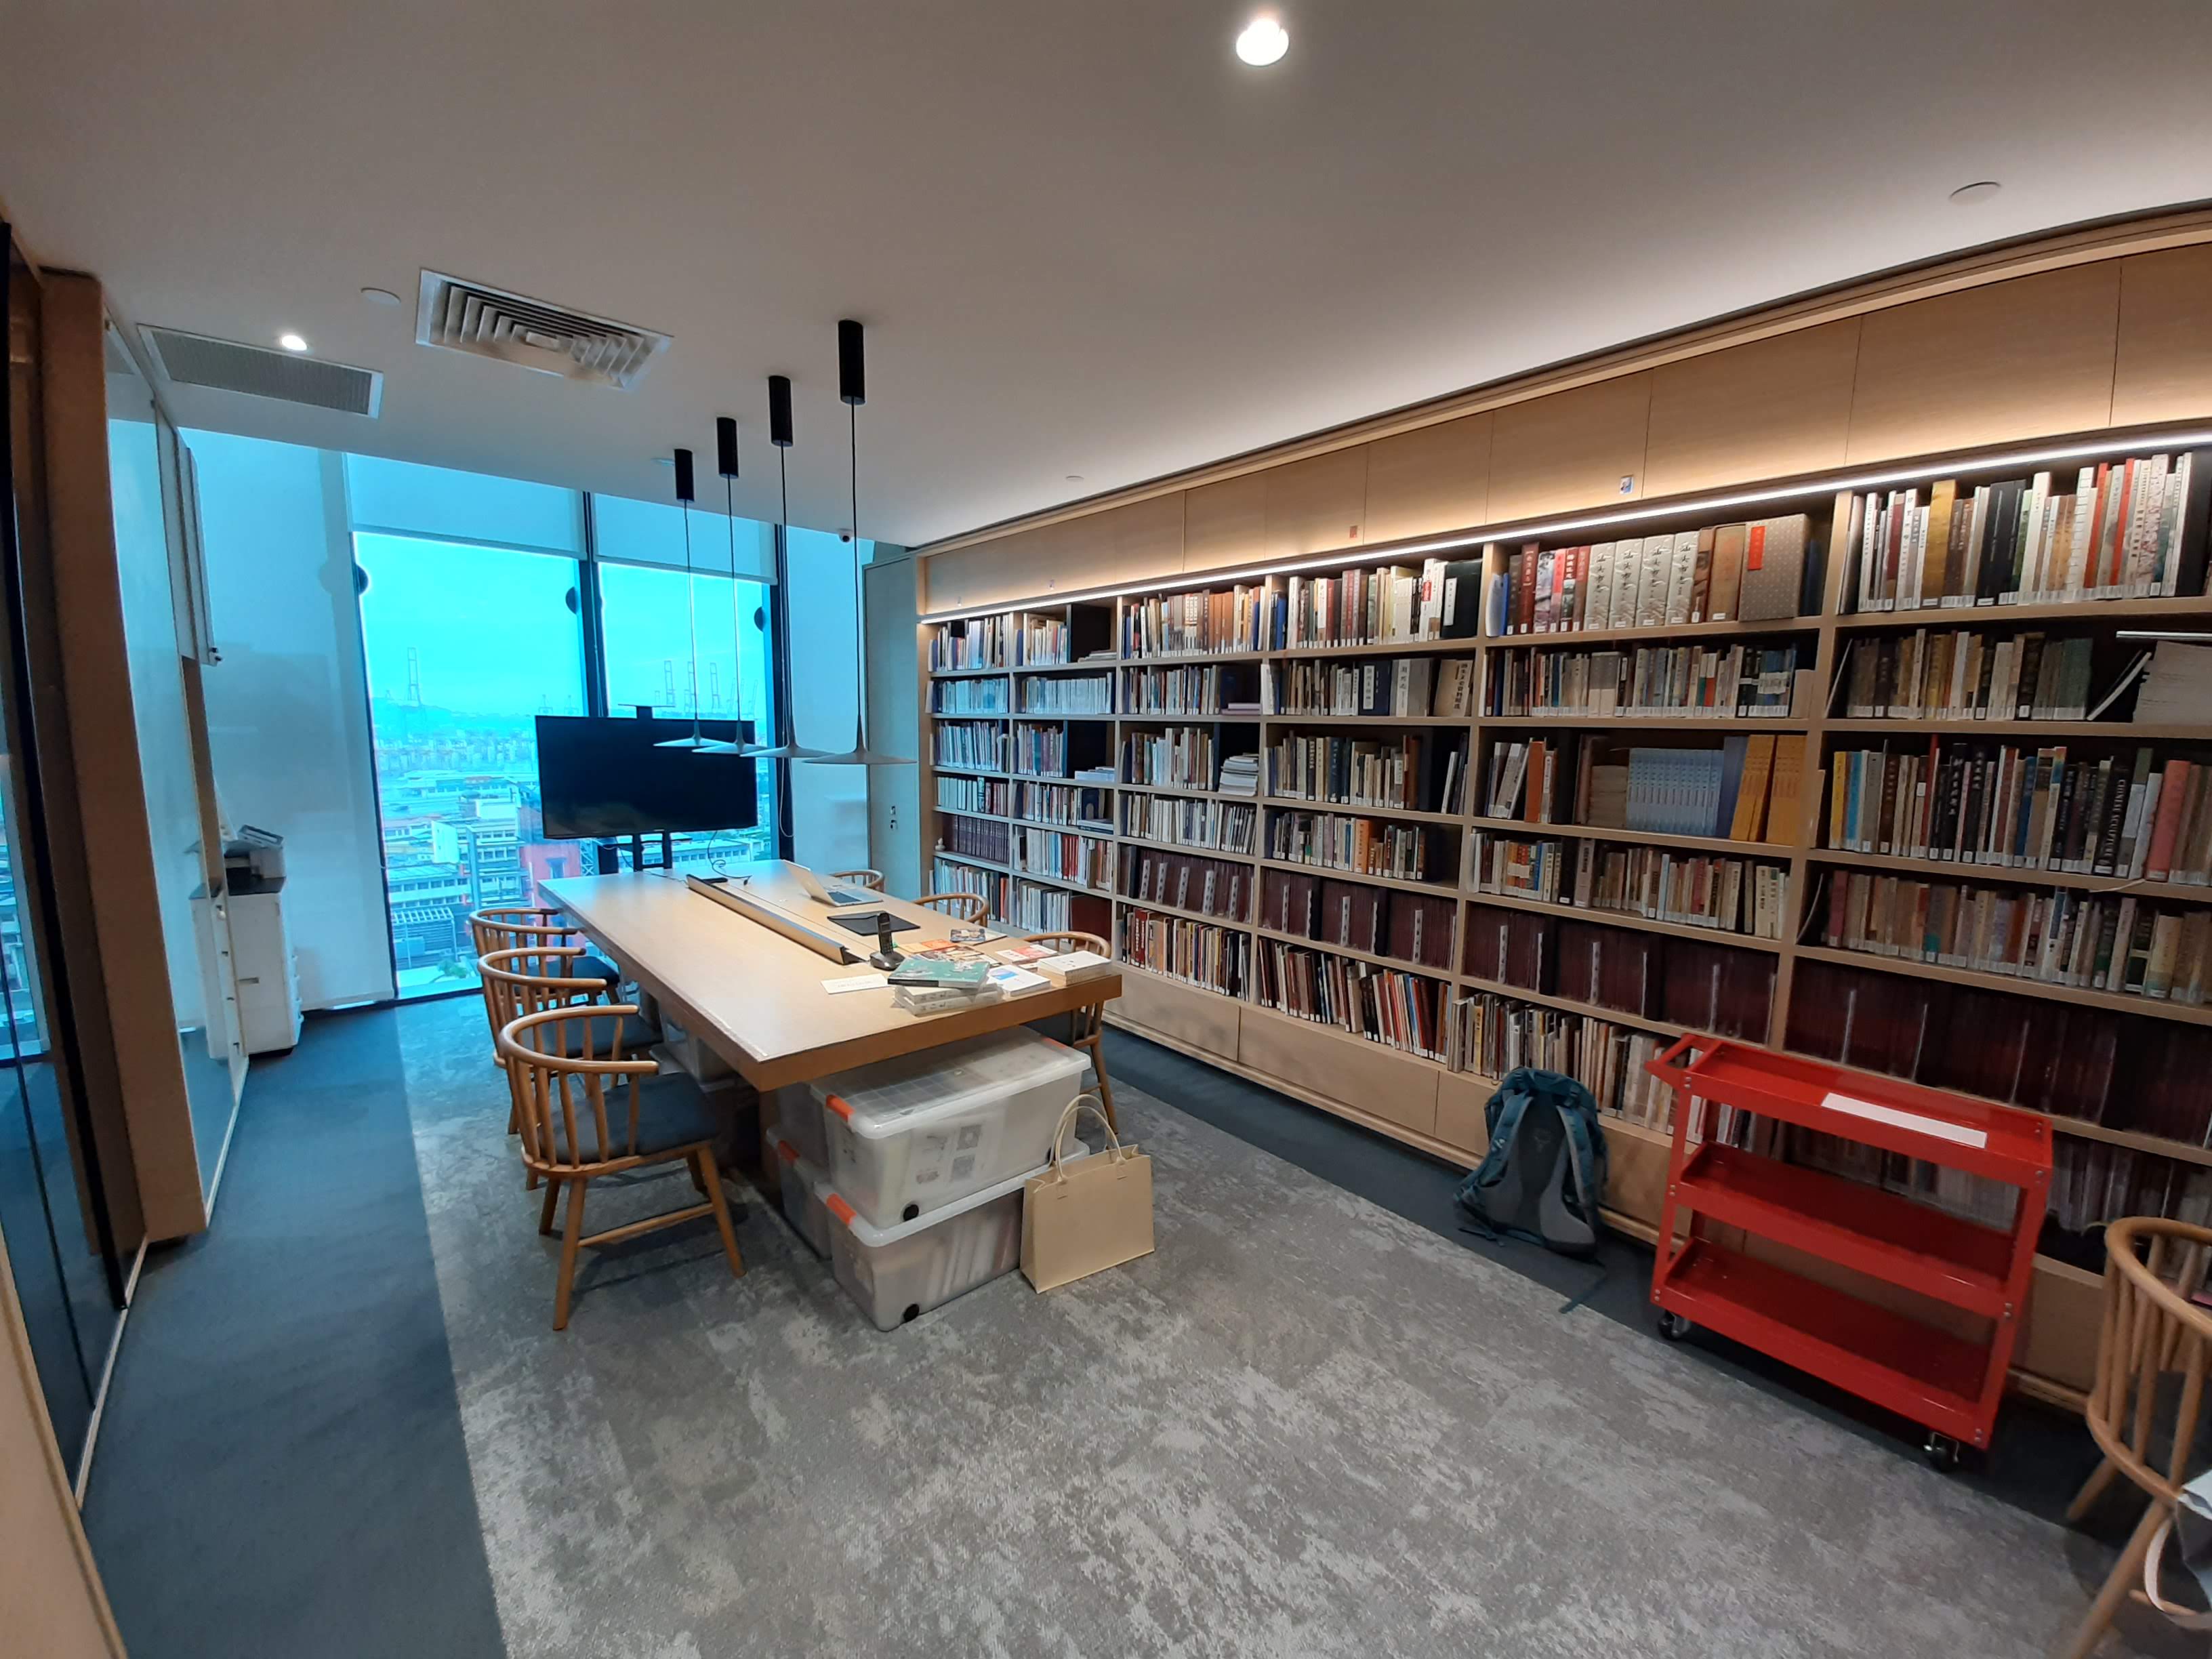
<point x="1430" y="481"/>
<point x="2164" y="371"/>
<point x="2017" y="359"/>
<point x="1395" y="1087"/>
<point x="1571" y="450"/>
<point x="1769" y="409"/>
<point x="1226" y="523"/>
<point x="1142" y="541"/>
<point x="1313" y="506"/>
<point x="1636" y="1177"/>
<point x="1198" y="1018"/>
<point x="1460" y="1098"/>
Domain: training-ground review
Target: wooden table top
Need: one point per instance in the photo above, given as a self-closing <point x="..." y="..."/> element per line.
<point x="757" y="998"/>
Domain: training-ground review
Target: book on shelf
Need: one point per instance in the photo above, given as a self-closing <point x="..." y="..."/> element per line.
<point x="1966" y="674"/>
<point x="1415" y="928"/>
<point x="1414" y="772"/>
<point x="1699" y="984"/>
<point x="1385" y="1006"/>
<point x="1732" y="682"/>
<point x="2177" y="688"/>
<point x="1240" y="774"/>
<point x="1697" y="890"/>
<point x="1752" y="572"/>
<point x="1374" y="847"/>
<point x="1746" y="789"/>
<point x="1361" y="607"/>
<point x="979" y="642"/>
<point x="1198" y="622"/>
<point x="1212" y="958"/>
<point x="2134" y="528"/>
<point x="1187" y="881"/>
<point x="1375" y="686"/>
<point x="2120" y="943"/>
<point x="1492" y="1035"/>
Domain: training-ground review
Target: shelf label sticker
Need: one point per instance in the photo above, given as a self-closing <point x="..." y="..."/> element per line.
<point x="1754" y="553"/>
<point x="1915" y="1121"/>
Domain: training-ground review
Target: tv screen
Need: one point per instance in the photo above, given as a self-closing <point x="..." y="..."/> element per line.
<point x="603" y="776"/>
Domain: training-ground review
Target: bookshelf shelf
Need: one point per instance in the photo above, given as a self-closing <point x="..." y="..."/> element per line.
<point x="969" y="673"/>
<point x="1996" y="731"/>
<point x="2118" y="612"/>
<point x="1381" y="721"/>
<point x="1127" y="840"/>
<point x="1044" y="880"/>
<point x="1375" y="648"/>
<point x="1096" y="666"/>
<point x="968" y="813"/>
<point x="1766" y="849"/>
<point x="1372" y="958"/>
<point x="2117" y="1002"/>
<point x="1624" y="919"/>
<point x="1659" y="635"/>
<point x="1360" y="808"/>
<point x="1570" y="1006"/>
<point x="1166" y="909"/>
<point x="1646" y="722"/>
<point x="2009" y="875"/>
<point x="1190" y="790"/>
<point x="970" y="771"/>
<point x="1186" y="659"/>
<point x="1397" y="884"/>
<point x="951" y="857"/>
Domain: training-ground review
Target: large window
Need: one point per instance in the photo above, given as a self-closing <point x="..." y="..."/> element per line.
<point x="467" y="646"/>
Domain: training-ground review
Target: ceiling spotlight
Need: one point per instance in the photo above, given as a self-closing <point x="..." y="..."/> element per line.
<point x="380" y="297"/>
<point x="1075" y="478"/>
<point x="1264" y="41"/>
<point x="1967" y="195"/>
<point x="291" y="342"/>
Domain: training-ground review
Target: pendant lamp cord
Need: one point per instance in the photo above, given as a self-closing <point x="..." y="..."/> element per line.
<point x="692" y="611"/>
<point x="859" y="596"/>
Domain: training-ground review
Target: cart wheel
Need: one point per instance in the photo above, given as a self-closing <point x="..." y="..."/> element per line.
<point x="1672" y="1326"/>
<point x="1941" y="1451"/>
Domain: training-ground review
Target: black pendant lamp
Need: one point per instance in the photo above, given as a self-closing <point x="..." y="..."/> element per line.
<point x="852" y="386"/>
<point x="726" y="462"/>
<point x="780" y="435"/>
<point x="690" y="603"/>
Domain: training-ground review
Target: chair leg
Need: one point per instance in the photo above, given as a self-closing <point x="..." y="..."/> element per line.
<point x="1097" y="1045"/>
<point x="703" y="1170"/>
<point x="2126" y="1574"/>
<point x="571" y="1235"/>
<point x="2098" y="1483"/>
<point x="552" y="1203"/>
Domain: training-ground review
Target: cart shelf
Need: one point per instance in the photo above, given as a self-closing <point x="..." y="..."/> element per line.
<point x="1920" y="1372"/>
<point x="1858" y="1226"/>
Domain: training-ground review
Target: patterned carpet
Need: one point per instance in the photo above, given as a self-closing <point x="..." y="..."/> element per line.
<point x="1305" y="1426"/>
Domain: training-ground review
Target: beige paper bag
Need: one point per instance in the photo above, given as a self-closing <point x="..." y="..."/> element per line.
<point x="1080" y="1218"/>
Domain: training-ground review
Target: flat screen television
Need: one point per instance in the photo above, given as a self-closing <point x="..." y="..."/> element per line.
<point x="599" y="776"/>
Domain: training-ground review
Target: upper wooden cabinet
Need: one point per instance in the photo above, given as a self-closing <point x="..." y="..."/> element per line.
<point x="2018" y="359"/>
<point x="1313" y="506"/>
<point x="1433" y="479"/>
<point x="1573" y="449"/>
<point x="1767" y="409"/>
<point x="1140" y="542"/>
<point x="2165" y="367"/>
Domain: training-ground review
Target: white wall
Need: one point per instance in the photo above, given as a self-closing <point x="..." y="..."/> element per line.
<point x="287" y="707"/>
<point x="828" y="803"/>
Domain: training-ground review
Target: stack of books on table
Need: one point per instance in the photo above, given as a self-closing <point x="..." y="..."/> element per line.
<point x="939" y="982"/>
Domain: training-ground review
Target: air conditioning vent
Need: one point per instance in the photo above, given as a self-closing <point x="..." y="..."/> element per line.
<point x="259" y="372"/>
<point x="490" y="322"/>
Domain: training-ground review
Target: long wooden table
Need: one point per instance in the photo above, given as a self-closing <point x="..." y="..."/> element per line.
<point x="757" y="998"/>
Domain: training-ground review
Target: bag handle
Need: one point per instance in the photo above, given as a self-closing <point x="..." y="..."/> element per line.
<point x="2185" y="1618"/>
<point x="1076" y="1107"/>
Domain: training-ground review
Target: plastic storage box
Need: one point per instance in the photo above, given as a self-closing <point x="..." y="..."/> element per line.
<point x="804" y="1192"/>
<point x="800" y="1120"/>
<point x="914" y="1133"/>
<point x="900" y="1272"/>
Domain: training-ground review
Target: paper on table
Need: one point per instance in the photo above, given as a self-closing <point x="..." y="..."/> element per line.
<point x="1902" y="1119"/>
<point x="853" y="982"/>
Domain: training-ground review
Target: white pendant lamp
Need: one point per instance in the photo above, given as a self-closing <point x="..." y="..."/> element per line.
<point x="690" y="603"/>
<point x="852" y="386"/>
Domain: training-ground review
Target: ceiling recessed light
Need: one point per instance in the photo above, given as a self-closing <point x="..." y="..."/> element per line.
<point x="291" y="342"/>
<point x="1075" y="478"/>
<point x="380" y="297"/>
<point x="1967" y="195"/>
<point x="1264" y="41"/>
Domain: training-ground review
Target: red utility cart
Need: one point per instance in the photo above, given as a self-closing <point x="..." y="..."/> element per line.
<point x="1948" y="1383"/>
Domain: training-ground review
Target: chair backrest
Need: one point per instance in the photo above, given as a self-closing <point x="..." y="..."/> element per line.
<point x="2152" y="1329"/>
<point x="1065" y="942"/>
<point x="961" y="907"/>
<point x="572" y="1113"/>
<point x="515" y="926"/>
<point x="860" y="877"/>
<point x="530" y="978"/>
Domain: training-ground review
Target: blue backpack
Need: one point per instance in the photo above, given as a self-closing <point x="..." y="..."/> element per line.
<point x="1543" y="1177"/>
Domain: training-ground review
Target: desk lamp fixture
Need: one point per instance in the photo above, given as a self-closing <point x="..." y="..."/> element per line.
<point x="691" y="602"/>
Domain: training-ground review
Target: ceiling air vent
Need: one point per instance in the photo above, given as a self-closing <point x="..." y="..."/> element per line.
<point x="490" y="322"/>
<point x="233" y="366"/>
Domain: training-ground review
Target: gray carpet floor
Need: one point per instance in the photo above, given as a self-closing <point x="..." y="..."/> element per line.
<point x="1305" y="1426"/>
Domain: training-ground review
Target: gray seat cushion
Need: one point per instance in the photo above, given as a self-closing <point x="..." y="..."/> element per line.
<point x="670" y="1112"/>
<point x="594" y="968"/>
<point x="638" y="1034"/>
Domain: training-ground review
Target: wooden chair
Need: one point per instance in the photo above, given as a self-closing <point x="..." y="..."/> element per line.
<point x="517" y="928"/>
<point x="2147" y="1432"/>
<point x="572" y="1133"/>
<point x="967" y="907"/>
<point x="525" y="978"/>
<point x="1086" y="1027"/>
<point x="859" y="878"/>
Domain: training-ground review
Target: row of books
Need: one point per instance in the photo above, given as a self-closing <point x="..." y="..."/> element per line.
<point x="1216" y="825"/>
<point x="1679" y="681"/>
<point x="975" y="838"/>
<point x="1064" y="693"/>
<point x="979" y="746"/>
<point x="2096" y="941"/>
<point x="1175" y="757"/>
<point x="1084" y="859"/>
<point x="948" y="875"/>
<point x="1494" y="1035"/>
<point x="1039" y="751"/>
<point x="2103" y="1065"/>
<point x="1746" y="789"/>
<point x="1234" y="618"/>
<point x="978" y="642"/>
<point x="1696" y="984"/>
<point x="1412" y="772"/>
<point x="976" y="696"/>
<point x="1754" y="572"/>
<point x="1187" y="881"/>
<point x="1398" y="1010"/>
<point x="1961" y="674"/>
<point x="1378" y="685"/>
<point x="2131" y="529"/>
<point x="1212" y="958"/>
<point x="1040" y="641"/>
<point x="1194" y="689"/>
<point x="1698" y="890"/>
<point x="1084" y="807"/>
<point x="1980" y="803"/>
<point x="991" y="795"/>
<point x="1336" y="841"/>
<point x="1036" y="909"/>
<point x="2093" y="1182"/>
<point x="1358" y="607"/>
<point x="1384" y="921"/>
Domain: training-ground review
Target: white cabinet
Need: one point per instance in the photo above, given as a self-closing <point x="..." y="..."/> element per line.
<point x="268" y="980"/>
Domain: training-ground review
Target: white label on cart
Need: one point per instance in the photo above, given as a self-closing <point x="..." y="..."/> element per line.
<point x="1912" y="1121"/>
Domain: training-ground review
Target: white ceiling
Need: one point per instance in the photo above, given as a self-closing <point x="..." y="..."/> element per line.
<point x="1085" y="239"/>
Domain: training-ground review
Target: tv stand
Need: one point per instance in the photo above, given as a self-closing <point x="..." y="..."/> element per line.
<point x="609" y="855"/>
